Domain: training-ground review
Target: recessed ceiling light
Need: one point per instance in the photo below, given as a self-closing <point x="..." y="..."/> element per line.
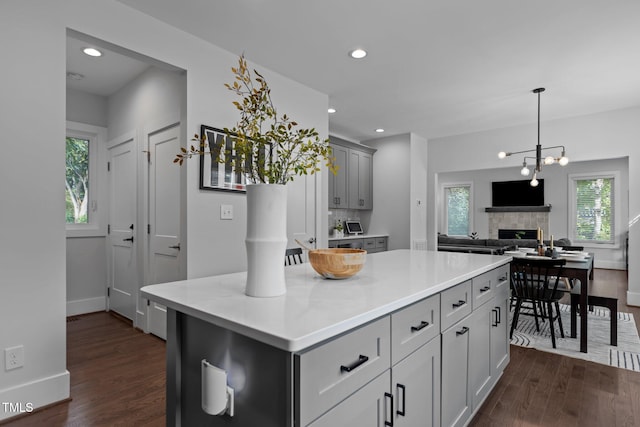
<point x="358" y="53"/>
<point x="331" y="110"/>
<point x="92" y="51"/>
<point x="379" y="130"/>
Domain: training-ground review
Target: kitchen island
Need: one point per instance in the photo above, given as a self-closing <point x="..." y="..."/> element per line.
<point x="329" y="352"/>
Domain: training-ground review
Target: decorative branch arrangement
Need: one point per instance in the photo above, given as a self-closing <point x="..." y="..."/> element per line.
<point x="267" y="148"/>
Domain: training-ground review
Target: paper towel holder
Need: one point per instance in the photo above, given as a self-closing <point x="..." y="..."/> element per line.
<point x="217" y="396"/>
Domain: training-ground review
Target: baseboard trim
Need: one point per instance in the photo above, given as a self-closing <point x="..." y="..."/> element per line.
<point x="87" y="305"/>
<point x="609" y="265"/>
<point x="33" y="395"/>
<point x="633" y="298"/>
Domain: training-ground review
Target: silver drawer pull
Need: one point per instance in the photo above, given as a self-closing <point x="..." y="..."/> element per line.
<point x="485" y="289"/>
<point x="361" y="359"/>
<point x="422" y="325"/>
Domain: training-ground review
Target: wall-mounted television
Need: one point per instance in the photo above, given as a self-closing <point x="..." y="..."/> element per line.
<point x="517" y="193"/>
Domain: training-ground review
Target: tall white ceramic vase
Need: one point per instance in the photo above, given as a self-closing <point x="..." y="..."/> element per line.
<point x="266" y="240"/>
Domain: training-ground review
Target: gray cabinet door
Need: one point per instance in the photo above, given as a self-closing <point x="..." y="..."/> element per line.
<point x="368" y="407"/>
<point x="338" y="197"/>
<point x="416" y="387"/>
<point x="456" y="405"/>
<point x="499" y="335"/>
<point x="360" y="180"/>
<point x="480" y="379"/>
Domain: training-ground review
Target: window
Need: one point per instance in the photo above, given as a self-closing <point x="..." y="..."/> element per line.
<point x="593" y="211"/>
<point x="457" y="209"/>
<point x="83" y="180"/>
<point x="77" y="180"/>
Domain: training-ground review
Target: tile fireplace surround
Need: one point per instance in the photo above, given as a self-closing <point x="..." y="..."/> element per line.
<point x="519" y="221"/>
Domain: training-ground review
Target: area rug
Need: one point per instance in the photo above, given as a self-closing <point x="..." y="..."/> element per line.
<point x="625" y="355"/>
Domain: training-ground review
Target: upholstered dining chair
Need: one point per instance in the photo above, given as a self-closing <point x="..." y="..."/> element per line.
<point x="536" y="281"/>
<point x="293" y="256"/>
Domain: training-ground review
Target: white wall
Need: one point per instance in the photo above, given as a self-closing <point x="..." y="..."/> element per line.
<point x="606" y="135"/>
<point x="556" y="186"/>
<point x="86" y="108"/>
<point x="418" y="192"/>
<point x="86" y="256"/>
<point x="391" y="184"/>
<point x="32" y="274"/>
<point x="32" y="221"/>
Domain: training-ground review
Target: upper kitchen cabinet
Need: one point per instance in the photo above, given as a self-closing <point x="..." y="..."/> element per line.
<point x="351" y="187"/>
<point x="338" y="182"/>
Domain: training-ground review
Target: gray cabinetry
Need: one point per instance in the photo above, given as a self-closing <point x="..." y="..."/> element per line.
<point x="360" y="180"/>
<point x="500" y="327"/>
<point x="456" y="407"/>
<point x="364" y="408"/>
<point x="351" y="187"/>
<point x="392" y="376"/>
<point x="371" y="244"/>
<point x="416" y="391"/>
<point x="338" y="182"/>
<point x="475" y="350"/>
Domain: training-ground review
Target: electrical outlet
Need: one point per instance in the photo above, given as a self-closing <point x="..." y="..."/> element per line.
<point x="226" y="211"/>
<point x="13" y="357"/>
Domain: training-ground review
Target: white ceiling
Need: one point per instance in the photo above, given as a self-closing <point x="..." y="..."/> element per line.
<point x="435" y="67"/>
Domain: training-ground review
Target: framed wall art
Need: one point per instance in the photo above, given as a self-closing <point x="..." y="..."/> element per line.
<point x="216" y="176"/>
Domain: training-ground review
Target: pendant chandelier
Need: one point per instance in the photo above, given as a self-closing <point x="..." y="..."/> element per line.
<point x="562" y="160"/>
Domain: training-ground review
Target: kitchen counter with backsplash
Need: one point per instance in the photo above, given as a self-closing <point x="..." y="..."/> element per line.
<point x="424" y="329"/>
<point x="361" y="236"/>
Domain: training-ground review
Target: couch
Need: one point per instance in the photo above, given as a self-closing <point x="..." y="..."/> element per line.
<point x="490" y="246"/>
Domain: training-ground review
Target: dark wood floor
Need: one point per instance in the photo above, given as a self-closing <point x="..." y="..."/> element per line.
<point x="545" y="389"/>
<point x="118" y="379"/>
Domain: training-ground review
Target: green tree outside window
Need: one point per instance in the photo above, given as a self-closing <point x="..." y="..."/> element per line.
<point x="77" y="180"/>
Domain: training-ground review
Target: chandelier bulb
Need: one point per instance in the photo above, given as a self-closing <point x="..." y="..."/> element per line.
<point x="502" y="155"/>
<point x="525" y="170"/>
<point x="549" y="160"/>
<point x="564" y="160"/>
<point x="534" y="181"/>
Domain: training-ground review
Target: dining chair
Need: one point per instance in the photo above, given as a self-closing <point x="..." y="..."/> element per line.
<point x="535" y="281"/>
<point x="293" y="256"/>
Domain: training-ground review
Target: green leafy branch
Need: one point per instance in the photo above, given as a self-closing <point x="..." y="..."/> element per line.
<point x="267" y="148"/>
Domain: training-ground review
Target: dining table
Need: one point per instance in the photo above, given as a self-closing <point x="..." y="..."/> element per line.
<point x="580" y="268"/>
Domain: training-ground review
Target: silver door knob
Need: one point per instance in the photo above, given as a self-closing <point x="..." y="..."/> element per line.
<point x="312" y="240"/>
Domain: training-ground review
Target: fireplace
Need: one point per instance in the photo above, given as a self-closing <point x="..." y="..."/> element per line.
<point x="521" y="219"/>
<point x="512" y="233"/>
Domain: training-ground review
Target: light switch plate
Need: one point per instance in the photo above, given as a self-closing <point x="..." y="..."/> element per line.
<point x="226" y="211"/>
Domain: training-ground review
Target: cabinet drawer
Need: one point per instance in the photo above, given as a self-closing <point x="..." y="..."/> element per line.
<point x="484" y="288"/>
<point x="414" y="326"/>
<point x="503" y="287"/>
<point x="329" y="373"/>
<point x="369" y="243"/>
<point x="455" y="303"/>
<point x="381" y="242"/>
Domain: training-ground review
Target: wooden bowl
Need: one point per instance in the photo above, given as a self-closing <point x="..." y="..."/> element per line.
<point x="337" y="263"/>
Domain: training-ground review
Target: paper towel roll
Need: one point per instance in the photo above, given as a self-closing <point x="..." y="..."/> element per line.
<point x="214" y="389"/>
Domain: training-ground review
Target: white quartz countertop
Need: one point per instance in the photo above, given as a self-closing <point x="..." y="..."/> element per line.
<point x="315" y="309"/>
<point x="360" y="236"/>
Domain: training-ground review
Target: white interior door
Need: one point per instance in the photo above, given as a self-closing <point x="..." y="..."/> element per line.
<point x="123" y="277"/>
<point x="301" y="211"/>
<point x="165" y="257"/>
